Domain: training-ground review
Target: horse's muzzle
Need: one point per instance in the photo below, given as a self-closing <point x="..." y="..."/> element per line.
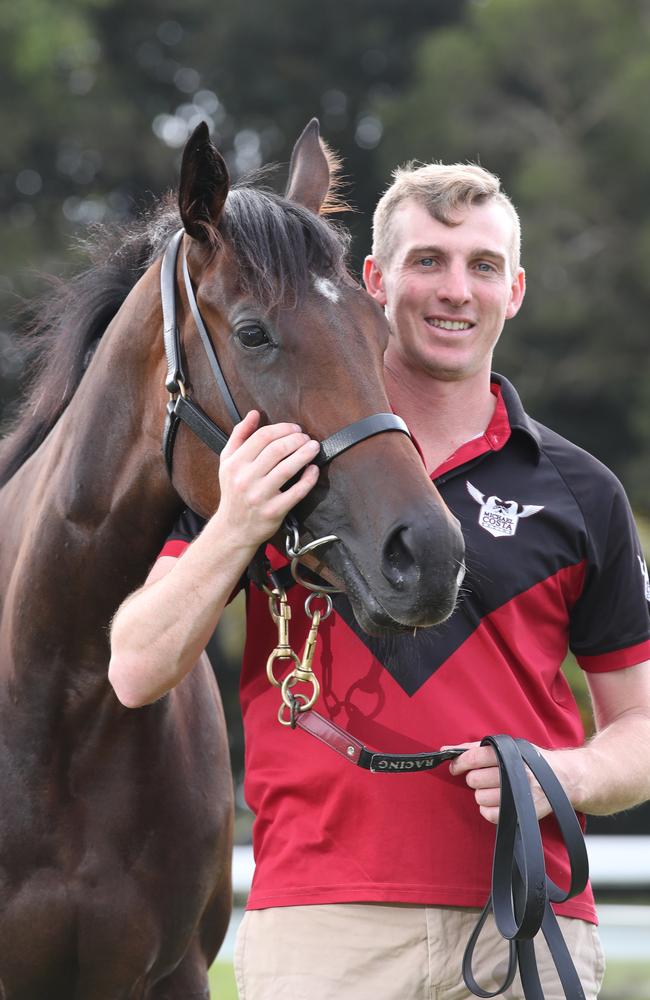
<point x="413" y="584"/>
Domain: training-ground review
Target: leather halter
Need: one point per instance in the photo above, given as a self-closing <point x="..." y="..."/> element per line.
<point x="181" y="408"/>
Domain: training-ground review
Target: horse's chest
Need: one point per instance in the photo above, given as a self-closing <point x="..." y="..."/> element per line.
<point x="114" y="820"/>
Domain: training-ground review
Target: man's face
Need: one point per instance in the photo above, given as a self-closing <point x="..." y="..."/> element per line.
<point x="447" y="290"/>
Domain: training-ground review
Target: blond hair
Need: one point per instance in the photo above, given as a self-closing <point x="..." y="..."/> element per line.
<point x="444" y="190"/>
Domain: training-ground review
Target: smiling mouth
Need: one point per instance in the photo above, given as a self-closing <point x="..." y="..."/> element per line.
<point x="449" y="325"/>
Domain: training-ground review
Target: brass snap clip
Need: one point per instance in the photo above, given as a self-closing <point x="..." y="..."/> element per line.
<point x="281" y="614"/>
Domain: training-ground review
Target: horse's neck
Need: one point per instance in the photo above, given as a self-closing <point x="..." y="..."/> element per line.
<point x="86" y="515"/>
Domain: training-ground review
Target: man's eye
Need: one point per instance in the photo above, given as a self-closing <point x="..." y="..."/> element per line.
<point x="427" y="261"/>
<point x="252" y="336"/>
<point x="484" y="266"/>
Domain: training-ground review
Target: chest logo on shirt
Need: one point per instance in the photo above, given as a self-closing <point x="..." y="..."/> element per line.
<point x="500" y="517"/>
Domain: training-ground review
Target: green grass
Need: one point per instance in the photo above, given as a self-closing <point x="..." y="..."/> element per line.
<point x="626" y="981"/>
<point x="623" y="981"/>
<point x="222" y="982"/>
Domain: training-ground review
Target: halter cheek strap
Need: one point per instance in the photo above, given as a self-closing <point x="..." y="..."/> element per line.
<point x="182" y="409"/>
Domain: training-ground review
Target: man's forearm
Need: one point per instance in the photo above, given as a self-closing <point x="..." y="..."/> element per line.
<point x="612" y="771"/>
<point x="160" y="631"/>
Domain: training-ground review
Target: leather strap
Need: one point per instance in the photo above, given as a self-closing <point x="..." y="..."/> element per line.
<point x="171" y="335"/>
<point x="356" y="432"/>
<point x="169" y="434"/>
<point x="371" y="760"/>
<point x="184" y="409"/>
<point x="233" y="412"/>
<point x="521" y="890"/>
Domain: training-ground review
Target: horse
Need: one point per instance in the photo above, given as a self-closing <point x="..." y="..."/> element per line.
<point x="116" y="824"/>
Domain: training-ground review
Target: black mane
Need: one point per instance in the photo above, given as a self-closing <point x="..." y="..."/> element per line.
<point x="278" y="244"/>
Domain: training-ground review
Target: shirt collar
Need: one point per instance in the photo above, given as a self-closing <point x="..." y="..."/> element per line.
<point x="517" y="416"/>
<point x="509" y="415"/>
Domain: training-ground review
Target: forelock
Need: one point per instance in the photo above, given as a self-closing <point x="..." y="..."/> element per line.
<point x="280" y="245"/>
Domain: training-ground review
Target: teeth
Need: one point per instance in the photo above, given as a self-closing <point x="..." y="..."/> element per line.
<point x="447" y="324"/>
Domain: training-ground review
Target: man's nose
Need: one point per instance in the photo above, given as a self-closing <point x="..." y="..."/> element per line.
<point x="454" y="285"/>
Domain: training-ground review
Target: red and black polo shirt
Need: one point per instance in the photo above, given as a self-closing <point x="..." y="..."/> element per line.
<point x="553" y="563"/>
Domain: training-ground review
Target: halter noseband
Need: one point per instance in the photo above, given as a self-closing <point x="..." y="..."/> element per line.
<point x="181" y="408"/>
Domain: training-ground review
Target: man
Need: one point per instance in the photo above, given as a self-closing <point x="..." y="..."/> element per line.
<point x="368" y="885"/>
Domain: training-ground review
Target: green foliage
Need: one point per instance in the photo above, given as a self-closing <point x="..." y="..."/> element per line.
<point x="103" y="93"/>
<point x="547" y="95"/>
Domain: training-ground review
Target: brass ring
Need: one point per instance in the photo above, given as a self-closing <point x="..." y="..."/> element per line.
<point x="284" y="705"/>
<point x="280" y="654"/>
<point x="308" y="702"/>
<point x="328" y="604"/>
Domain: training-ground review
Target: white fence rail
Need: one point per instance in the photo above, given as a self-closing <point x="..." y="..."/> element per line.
<point x="614" y="862"/>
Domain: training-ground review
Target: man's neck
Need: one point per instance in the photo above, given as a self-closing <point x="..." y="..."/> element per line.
<point x="442" y="414"/>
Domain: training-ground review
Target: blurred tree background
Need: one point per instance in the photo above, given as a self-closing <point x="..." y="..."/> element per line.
<point x="100" y="96"/>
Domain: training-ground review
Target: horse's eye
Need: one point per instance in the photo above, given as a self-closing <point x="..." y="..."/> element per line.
<point x="252" y="336"/>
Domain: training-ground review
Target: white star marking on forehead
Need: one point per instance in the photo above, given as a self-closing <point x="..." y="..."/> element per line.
<point x="326" y="288"/>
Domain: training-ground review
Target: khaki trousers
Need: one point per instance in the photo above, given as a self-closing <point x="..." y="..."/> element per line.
<point x="376" y="951"/>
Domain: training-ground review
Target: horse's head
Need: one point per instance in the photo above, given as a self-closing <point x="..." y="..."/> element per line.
<point x="299" y="340"/>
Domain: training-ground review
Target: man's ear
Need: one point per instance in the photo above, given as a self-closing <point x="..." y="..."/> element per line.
<point x="517" y="292"/>
<point x="373" y="279"/>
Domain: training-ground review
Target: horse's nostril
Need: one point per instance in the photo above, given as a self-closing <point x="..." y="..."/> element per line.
<point x="398" y="562"/>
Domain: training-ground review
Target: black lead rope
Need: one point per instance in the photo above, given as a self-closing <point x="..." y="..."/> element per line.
<point x="522" y="892"/>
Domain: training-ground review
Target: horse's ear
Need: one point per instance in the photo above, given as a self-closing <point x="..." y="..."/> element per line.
<point x="309" y="172"/>
<point x="204" y="185"/>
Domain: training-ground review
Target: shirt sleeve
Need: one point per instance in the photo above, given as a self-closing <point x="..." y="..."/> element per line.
<point x="187" y="527"/>
<point x="610" y="622"/>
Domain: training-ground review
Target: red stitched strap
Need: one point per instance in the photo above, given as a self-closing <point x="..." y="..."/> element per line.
<point x="330" y="734"/>
<point x="371" y="760"/>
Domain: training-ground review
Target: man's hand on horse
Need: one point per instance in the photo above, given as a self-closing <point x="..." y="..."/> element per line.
<point x="255" y="464"/>
<point x="479" y="766"/>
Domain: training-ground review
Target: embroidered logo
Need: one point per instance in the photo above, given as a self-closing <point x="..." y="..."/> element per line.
<point x="646" y="578"/>
<point x="500" y="517"/>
